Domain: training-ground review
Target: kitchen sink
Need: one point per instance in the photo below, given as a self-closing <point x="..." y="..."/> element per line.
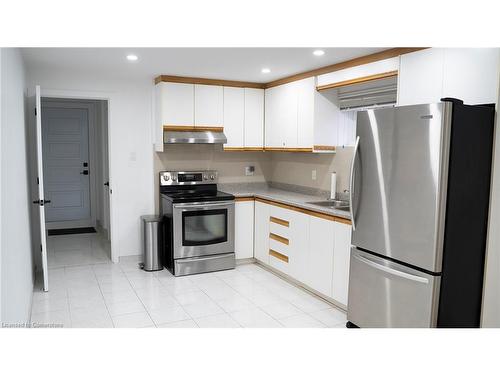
<point x="333" y="203"/>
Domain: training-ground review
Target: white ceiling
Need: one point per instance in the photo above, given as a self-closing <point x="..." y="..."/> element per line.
<point x="243" y="64"/>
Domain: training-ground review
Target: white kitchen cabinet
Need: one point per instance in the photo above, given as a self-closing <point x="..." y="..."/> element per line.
<point x="281" y="116"/>
<point x="471" y="74"/>
<point x="234" y="116"/>
<point x="294" y="227"/>
<point x="321" y="252"/>
<point x="244" y="229"/>
<point x="261" y="230"/>
<point x="208" y="105"/>
<point x="175" y="104"/>
<point x="341" y="256"/>
<point x="468" y="74"/>
<point x="375" y="68"/>
<point x="254" y="118"/>
<point x="420" y="78"/>
<point x="298" y="116"/>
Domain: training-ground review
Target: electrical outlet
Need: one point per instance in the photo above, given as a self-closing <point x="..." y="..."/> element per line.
<point x="313" y="174"/>
<point x="249" y="171"/>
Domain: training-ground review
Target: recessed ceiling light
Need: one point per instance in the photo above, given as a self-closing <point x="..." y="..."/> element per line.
<point x="132" y="58"/>
<point x="266" y="70"/>
<point x="318" y="52"/>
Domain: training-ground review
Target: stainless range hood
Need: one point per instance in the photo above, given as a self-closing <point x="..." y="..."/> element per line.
<point x="194" y="137"/>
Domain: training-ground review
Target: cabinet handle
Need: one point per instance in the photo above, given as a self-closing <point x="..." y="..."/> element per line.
<point x="275" y="237"/>
<point x="277" y="255"/>
<point x="275" y="220"/>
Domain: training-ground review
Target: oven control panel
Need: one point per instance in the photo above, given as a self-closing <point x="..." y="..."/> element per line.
<point x="188" y="178"/>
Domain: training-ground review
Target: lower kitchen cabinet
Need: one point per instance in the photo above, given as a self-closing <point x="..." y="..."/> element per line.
<point x="244" y="229"/>
<point x="261" y="230"/>
<point x="321" y="252"/>
<point x="341" y="256"/>
<point x="310" y="249"/>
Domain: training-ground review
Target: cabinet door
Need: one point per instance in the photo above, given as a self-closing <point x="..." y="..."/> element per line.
<point x="281" y="116"/>
<point x="471" y="74"/>
<point x="176" y="101"/>
<point x="208" y="105"/>
<point x="234" y="116"/>
<point x="321" y="250"/>
<point x="340" y="281"/>
<point x="306" y="90"/>
<point x="254" y="117"/>
<point x="421" y="77"/>
<point x="272" y="128"/>
<point x="261" y="245"/>
<point x="244" y="229"/>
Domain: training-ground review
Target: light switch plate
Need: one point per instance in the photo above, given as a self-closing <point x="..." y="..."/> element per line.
<point x="313" y="174"/>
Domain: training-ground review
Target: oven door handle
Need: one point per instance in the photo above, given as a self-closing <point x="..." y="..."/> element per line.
<point x="203" y="204"/>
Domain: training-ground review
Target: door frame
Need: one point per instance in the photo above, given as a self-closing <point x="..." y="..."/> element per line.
<point x="109" y="98"/>
<point x="90" y="106"/>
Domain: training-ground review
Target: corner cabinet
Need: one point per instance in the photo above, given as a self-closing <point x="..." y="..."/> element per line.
<point x="300" y="118"/>
<point x="469" y="74"/>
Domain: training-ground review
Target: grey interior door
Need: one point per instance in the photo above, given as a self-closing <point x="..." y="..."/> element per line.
<point x="384" y="294"/>
<point x="399" y="182"/>
<point x="66" y="164"/>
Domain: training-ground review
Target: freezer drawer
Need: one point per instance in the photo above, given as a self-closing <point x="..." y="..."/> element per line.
<point x="386" y="294"/>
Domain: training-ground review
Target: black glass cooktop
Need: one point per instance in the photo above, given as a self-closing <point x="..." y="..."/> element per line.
<point x="196" y="195"/>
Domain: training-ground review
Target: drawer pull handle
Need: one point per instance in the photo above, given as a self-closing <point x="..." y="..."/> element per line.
<point x="275" y="220"/>
<point x="279" y="256"/>
<point x="275" y="237"/>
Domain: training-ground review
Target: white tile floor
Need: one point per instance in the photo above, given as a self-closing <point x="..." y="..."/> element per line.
<point x="77" y="250"/>
<point x="121" y="295"/>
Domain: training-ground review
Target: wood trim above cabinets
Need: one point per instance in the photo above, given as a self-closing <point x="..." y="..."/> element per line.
<point x="207" y="81"/>
<point x="348" y="82"/>
<point x="393" y="52"/>
<point x="343" y="221"/>
<point x="277" y="255"/>
<point x="192" y="128"/>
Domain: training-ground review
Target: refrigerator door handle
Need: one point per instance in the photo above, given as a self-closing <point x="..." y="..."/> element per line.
<point x="392" y="271"/>
<point x="351" y="183"/>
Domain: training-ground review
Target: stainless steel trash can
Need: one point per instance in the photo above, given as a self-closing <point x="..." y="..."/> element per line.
<point x="151" y="243"/>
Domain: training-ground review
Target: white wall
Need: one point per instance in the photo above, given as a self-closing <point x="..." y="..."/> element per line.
<point x="491" y="295"/>
<point x="130" y="145"/>
<point x="16" y="254"/>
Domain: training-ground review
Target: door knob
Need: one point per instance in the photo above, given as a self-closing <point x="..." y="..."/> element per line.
<point x="84" y="172"/>
<point x="106" y="183"/>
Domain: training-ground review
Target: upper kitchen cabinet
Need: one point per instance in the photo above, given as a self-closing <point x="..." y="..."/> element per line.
<point x="299" y="118"/>
<point x="175" y="104"/>
<point x="254" y="118"/>
<point x="244" y="118"/>
<point x="358" y="74"/>
<point x="234" y="116"/>
<point x="469" y="74"/>
<point x="208" y="105"/>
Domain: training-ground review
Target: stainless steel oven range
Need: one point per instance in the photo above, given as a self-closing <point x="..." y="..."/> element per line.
<point x="198" y="223"/>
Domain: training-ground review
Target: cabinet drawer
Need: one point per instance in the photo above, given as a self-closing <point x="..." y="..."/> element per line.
<point x="280" y="244"/>
<point x="281" y="214"/>
<point x="278" y="229"/>
<point x="278" y="260"/>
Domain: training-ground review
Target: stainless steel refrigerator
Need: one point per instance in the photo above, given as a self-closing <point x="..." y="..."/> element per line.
<point x="420" y="185"/>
